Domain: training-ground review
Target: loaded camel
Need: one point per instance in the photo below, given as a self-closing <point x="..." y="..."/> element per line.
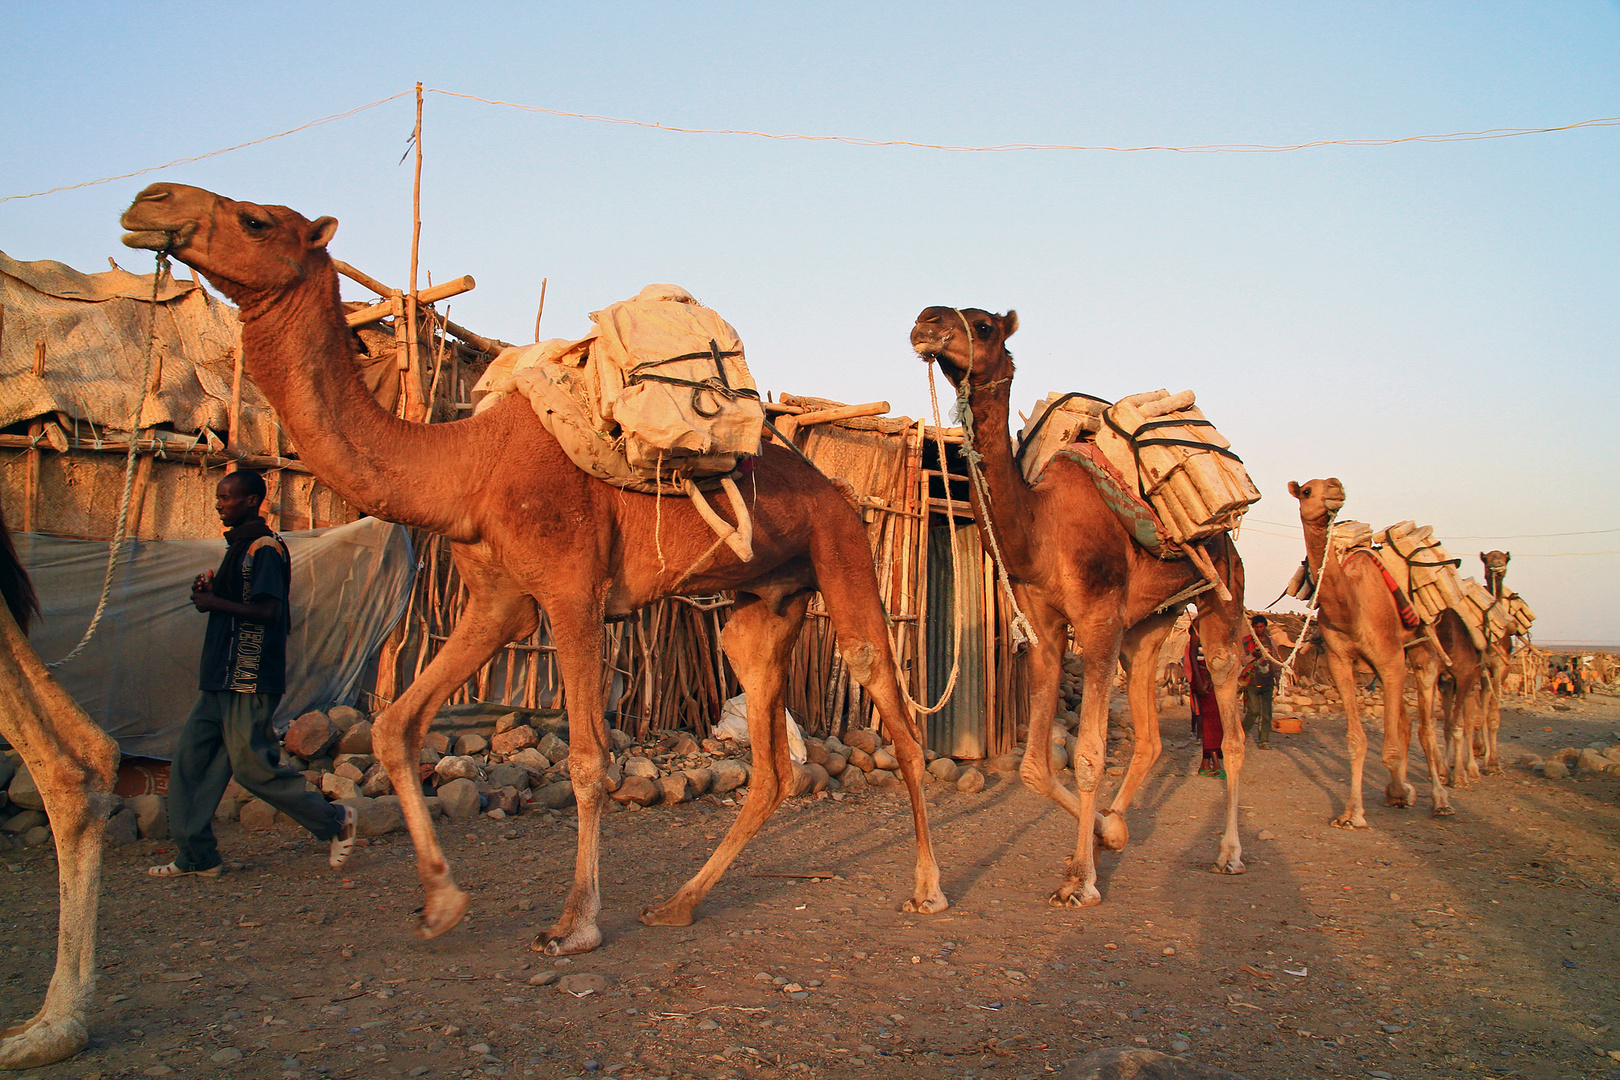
<point x="1498" y="651"/>
<point x="529" y="530"/>
<point x="73" y="763"/>
<point x="1073" y="565"/>
<point x="1359" y="620"/>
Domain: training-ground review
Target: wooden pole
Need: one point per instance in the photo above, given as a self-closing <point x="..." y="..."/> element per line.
<point x="234" y="421"/>
<point x="31" y="477"/>
<point x="541" y="311"/>
<point x="416" y="244"/>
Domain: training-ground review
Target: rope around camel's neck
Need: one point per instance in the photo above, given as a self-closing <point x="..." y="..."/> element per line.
<point x="1287" y="666"/>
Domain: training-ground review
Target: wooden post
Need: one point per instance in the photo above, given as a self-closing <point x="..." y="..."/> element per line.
<point x="540" y="311"/>
<point x="417" y="412"/>
<point x="234" y="421"/>
<point x="31" y="476"/>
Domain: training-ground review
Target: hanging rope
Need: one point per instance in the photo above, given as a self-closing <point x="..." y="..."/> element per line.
<point x="122" y="523"/>
<point x="1287" y="665"/>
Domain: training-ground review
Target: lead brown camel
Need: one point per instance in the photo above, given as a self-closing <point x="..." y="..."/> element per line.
<point x="1359" y="620"/>
<point x="1073" y="565"/>
<point x="1498" y="651"/>
<point x="528" y="528"/>
<point x="73" y="764"/>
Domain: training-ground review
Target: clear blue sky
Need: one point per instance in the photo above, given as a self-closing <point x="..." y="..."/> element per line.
<point x="1436" y="324"/>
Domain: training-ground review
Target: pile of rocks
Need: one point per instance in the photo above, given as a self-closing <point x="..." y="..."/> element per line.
<point x="1592" y="760"/>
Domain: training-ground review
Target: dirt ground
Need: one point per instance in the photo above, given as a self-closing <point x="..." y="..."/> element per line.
<point x="1487" y="944"/>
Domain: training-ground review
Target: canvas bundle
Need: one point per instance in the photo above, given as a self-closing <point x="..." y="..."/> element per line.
<point x="657" y="394"/>
<point x="1422" y="567"/>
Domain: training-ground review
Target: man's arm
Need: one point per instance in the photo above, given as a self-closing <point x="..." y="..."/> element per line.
<point x="262" y="609"/>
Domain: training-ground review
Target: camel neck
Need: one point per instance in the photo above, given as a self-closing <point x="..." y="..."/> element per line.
<point x="1316" y="541"/>
<point x="1008" y="511"/>
<point x="296" y="346"/>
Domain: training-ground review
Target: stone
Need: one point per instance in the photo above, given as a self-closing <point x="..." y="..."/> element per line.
<point x="685" y="746"/>
<point x="971" y="781"/>
<point x="1060" y="757"/>
<point x="729" y="775"/>
<point x="815" y="777"/>
<point x="506" y="774"/>
<point x="456" y="767"/>
<point x="1590" y="763"/>
<point x="437" y="741"/>
<point x="508" y="800"/>
<point x="120" y="829"/>
<point x="36" y="836"/>
<point x="1555" y="769"/>
<point x="460" y="798"/>
<point x="226" y="1056"/>
<point x="699" y="781"/>
<point x="381" y="816"/>
<point x="552" y="747"/>
<point x="257" y="814"/>
<point x="338" y="788"/>
<point x="882" y="778"/>
<point x="544" y="978"/>
<point x="530" y="759"/>
<point x="377" y="782"/>
<point x="861" y="760"/>
<point x="344" y="716"/>
<point x="835" y="764"/>
<point x="675" y="789"/>
<point x="152" y="814"/>
<point x="612" y="776"/>
<point x="356" y="740"/>
<point x="713" y="747"/>
<point x="1005" y="763"/>
<point x="350" y="771"/>
<point x="506" y="722"/>
<point x="853" y="781"/>
<point x="1533" y="762"/>
<point x="363" y="762"/>
<point x="834" y="746"/>
<point x="310" y="735"/>
<point x="639" y="790"/>
<point x="22" y="790"/>
<point x="507" y="743"/>
<point x="1118" y="1063"/>
<point x="470" y="744"/>
<point x="885" y="759"/>
<point x="636" y="765"/>
<point x="227" y="810"/>
<point x="816" y="752"/>
<point x="8" y="769"/>
<point x="555" y="796"/>
<point x="581" y="983"/>
<point x="429" y="756"/>
<point x="944" y="769"/>
<point x="21" y="822"/>
<point x="864" y="739"/>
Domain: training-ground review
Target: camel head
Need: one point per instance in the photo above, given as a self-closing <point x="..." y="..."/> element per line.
<point x="246" y="250"/>
<point x="1318" y="499"/>
<point x="1495" y="568"/>
<point x="967" y="343"/>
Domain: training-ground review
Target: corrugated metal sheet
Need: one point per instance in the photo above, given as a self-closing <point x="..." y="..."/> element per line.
<point x="961" y="727"/>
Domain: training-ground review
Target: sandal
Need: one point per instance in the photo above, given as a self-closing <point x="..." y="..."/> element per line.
<point x="172" y="870"/>
<point x="343" y="842"/>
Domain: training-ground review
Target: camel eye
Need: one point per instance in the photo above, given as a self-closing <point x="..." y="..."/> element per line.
<point x="254" y="224"/>
<point x="983" y="329"/>
<point x="1305" y="492"/>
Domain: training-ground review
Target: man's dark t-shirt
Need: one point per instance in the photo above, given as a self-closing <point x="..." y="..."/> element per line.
<point x="249" y="657"/>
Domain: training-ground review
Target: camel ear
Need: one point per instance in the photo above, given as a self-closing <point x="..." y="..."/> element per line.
<point x="321" y="232"/>
<point x="1010" y="323"/>
<point x="1293" y="489"/>
<point x="1507" y="557"/>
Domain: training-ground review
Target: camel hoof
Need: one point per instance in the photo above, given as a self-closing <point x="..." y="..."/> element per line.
<point x="442" y="912"/>
<point x="666" y="914"/>
<point x="1443" y="811"/>
<point x="1347" y="821"/>
<point x="1112" y="831"/>
<point x="928" y="905"/>
<point x="42" y="1042"/>
<point x="1083" y="899"/>
<point x="554" y="944"/>
<point x="1233" y="867"/>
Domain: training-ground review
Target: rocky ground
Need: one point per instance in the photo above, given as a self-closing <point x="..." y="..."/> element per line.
<point x="1481" y="945"/>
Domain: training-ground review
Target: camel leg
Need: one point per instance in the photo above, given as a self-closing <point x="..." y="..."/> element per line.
<point x="1491" y="721"/>
<point x="1221" y="629"/>
<point x="1397" y="746"/>
<point x="1139" y="651"/>
<point x="1456" y="727"/>
<point x="576" y="630"/>
<point x="497" y="612"/>
<point x="73" y="763"/>
<point x="1100" y="643"/>
<point x="1428" y="678"/>
<point x="759" y="643"/>
<point x="1343" y="670"/>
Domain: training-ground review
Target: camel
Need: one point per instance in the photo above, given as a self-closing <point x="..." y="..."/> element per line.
<point x="1498" y="651"/>
<point x="73" y="763"/>
<point x="1074" y="566"/>
<point x="529" y="530"/>
<point x="1358" y="619"/>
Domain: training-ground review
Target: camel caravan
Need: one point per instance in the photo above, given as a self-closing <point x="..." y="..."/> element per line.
<point x="600" y="519"/>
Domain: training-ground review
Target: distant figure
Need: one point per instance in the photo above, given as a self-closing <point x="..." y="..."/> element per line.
<point x="1562" y="684"/>
<point x="1259" y="680"/>
<point x="1206" y="714"/>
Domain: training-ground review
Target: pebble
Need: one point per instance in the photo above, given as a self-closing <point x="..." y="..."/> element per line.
<point x="544" y="978"/>
<point x="227" y="1055"/>
<point x="1181" y="1046"/>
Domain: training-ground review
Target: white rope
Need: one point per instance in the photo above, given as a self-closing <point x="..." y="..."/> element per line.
<point x="1310" y="614"/>
<point x="129" y="468"/>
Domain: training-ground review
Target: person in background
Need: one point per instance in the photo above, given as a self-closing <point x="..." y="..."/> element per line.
<point x="1259" y="681"/>
<point x="1206" y="714"/>
<point x="242" y="677"/>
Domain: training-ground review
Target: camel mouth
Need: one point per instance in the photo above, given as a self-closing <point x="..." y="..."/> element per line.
<point x="928" y="351"/>
<point x="150" y="240"/>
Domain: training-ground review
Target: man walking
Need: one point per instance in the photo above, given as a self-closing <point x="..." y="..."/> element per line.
<point x="242" y="679"/>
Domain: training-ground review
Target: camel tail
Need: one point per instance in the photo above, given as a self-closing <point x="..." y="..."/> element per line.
<point x="14" y="584"/>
